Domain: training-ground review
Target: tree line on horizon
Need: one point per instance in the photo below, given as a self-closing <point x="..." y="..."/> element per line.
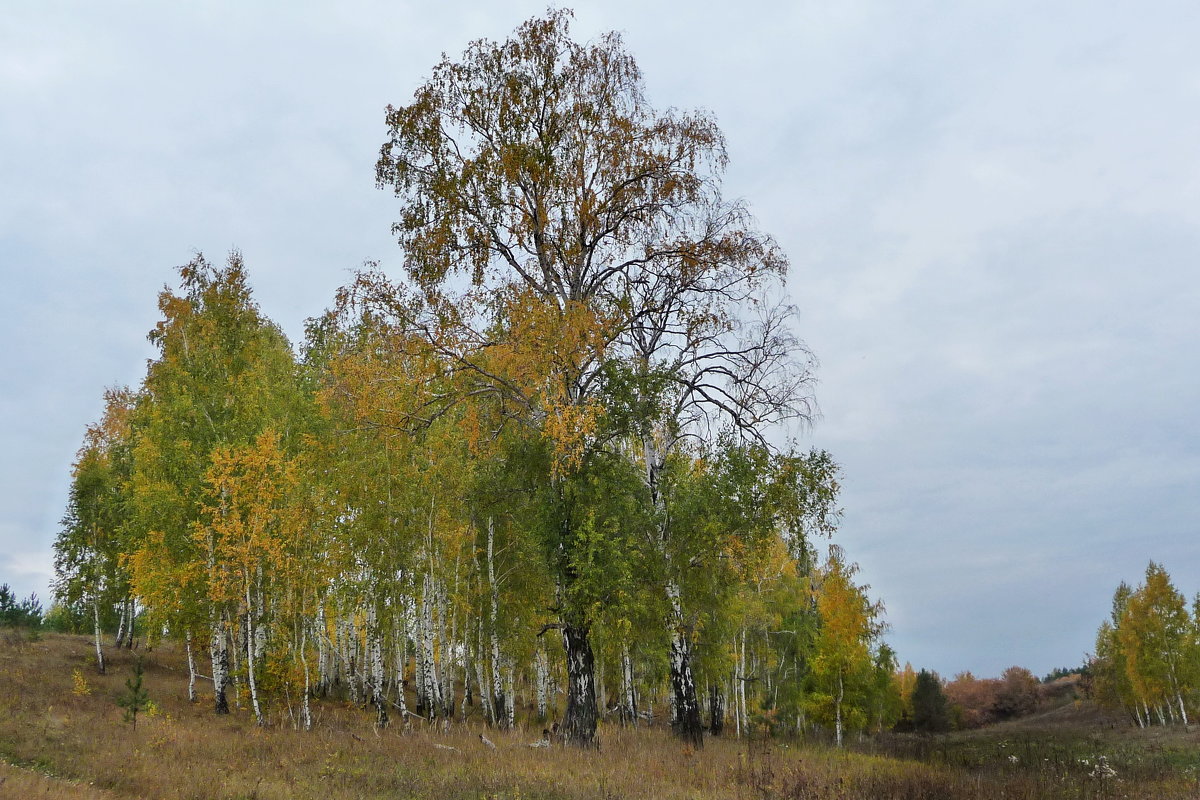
<point x="566" y="421"/>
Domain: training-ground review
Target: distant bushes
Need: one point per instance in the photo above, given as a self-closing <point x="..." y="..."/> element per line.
<point x="932" y="705"/>
<point x="975" y="702"/>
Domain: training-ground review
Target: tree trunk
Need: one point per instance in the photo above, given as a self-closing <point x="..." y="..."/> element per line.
<point x="510" y="717"/>
<point x="716" y="709"/>
<point x="740" y="686"/>
<point x="237" y="637"/>
<point x="401" y="700"/>
<point x="251" y="647"/>
<point x="685" y="708"/>
<point x="375" y="668"/>
<point x="120" y="640"/>
<point x="542" y="670"/>
<point x="686" y="724"/>
<point x="579" y="722"/>
<point x="838" y="711"/>
<point x="191" y="669"/>
<point x="131" y="613"/>
<point x="96" y="626"/>
<point x="260" y="630"/>
<point x="219" y="653"/>
<point x="430" y="680"/>
<point x="499" y="701"/>
<point x="628" y="688"/>
<point x="401" y="660"/>
<point x="485" y="694"/>
<point x="305" y="708"/>
<point x="326" y="653"/>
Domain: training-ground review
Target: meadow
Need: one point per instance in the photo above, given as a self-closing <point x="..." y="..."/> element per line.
<point x="63" y="735"/>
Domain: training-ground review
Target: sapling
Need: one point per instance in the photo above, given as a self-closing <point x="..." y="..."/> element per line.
<point x="135" y="698"/>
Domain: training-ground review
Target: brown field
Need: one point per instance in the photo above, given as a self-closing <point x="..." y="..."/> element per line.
<point x="57" y="741"/>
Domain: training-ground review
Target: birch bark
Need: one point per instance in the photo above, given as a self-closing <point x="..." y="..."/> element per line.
<point x="579" y="722"/>
<point x="685" y="707"/>
<point x="305" y="708"/>
<point x="191" y="659"/>
<point x="542" y="670"/>
<point x="219" y="653"/>
<point x="251" y="647"/>
<point x="96" y="626"/>
<point x="375" y="669"/>
<point x="499" y="701"/>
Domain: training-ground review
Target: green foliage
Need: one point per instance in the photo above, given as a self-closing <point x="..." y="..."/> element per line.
<point x="64" y="618"/>
<point x="25" y="613"/>
<point x="561" y="419"/>
<point x="135" y="699"/>
<point x="1066" y="672"/>
<point x="930" y="711"/>
<point x="1147" y="659"/>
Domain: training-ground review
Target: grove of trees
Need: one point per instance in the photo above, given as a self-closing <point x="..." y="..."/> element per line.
<point x="1147" y="660"/>
<point x="549" y="459"/>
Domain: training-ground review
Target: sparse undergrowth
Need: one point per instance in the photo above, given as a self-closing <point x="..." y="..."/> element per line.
<point x="50" y="727"/>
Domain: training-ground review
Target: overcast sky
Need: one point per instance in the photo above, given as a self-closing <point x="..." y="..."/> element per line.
<point x="992" y="211"/>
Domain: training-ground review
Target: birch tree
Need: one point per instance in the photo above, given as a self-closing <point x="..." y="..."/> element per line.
<point x="224" y="373"/>
<point x="89" y="547"/>
<point x="540" y="190"/>
<point x="843" y="667"/>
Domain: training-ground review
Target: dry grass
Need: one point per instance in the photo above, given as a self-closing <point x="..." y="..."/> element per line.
<point x="48" y="726"/>
<point x="20" y="783"/>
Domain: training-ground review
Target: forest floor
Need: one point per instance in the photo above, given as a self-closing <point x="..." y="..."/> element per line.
<point x="62" y="735"/>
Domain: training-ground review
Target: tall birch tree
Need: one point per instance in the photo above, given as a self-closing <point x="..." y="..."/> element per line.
<point x="549" y="213"/>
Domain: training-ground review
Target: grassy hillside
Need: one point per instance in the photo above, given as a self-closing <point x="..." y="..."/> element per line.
<point x="62" y="735"/>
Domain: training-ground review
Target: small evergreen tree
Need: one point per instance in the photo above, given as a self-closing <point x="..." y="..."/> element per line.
<point x="135" y="698"/>
<point x="930" y="713"/>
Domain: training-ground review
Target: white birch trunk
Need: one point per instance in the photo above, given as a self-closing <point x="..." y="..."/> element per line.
<point x="260" y="630"/>
<point x="305" y="708"/>
<point x="96" y="627"/>
<point x="541" y="670"/>
<point x="485" y="693"/>
<point x="510" y="698"/>
<point x="322" y="651"/>
<point x="737" y="707"/>
<point x="741" y="684"/>
<point x="191" y="669"/>
<point x="375" y="667"/>
<point x="401" y="701"/>
<point x="350" y="660"/>
<point x="449" y="662"/>
<point x="251" y="646"/>
<point x="838" y="711"/>
<point x="628" y="688"/>
<point x="219" y="653"/>
<point x="418" y="640"/>
<point x="498" y="699"/>
<point x="237" y="638"/>
<point x="428" y="644"/>
<point x="120" y="640"/>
